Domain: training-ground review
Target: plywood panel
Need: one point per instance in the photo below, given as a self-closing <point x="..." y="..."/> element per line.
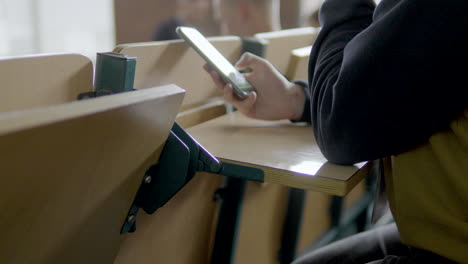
<point x="315" y="219"/>
<point x="261" y="225"/>
<point x="42" y="80"/>
<point x="175" y="62"/>
<point x="180" y="231"/>
<point x="286" y="152"/>
<point x="298" y="68"/>
<point x="200" y="114"/>
<point x="281" y="43"/>
<point x="70" y="172"/>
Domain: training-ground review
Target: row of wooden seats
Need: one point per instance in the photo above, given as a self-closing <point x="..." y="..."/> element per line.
<point x="164" y="62"/>
<point x="181" y="231"/>
<point x="70" y="170"/>
<point x="264" y="206"/>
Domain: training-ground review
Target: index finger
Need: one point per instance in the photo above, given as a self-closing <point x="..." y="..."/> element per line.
<point x="220" y="83"/>
<point x="248" y="61"/>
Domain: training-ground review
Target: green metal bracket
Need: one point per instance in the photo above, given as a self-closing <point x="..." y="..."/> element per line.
<point x="182" y="157"/>
<point x="242" y="172"/>
<point x="166" y="177"/>
<point x="115" y="72"/>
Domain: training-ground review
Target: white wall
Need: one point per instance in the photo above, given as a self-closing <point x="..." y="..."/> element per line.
<point x="16" y="31"/>
<point x="50" y="26"/>
<point x="84" y="26"/>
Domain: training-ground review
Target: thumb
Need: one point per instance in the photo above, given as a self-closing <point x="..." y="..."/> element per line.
<point x="247" y="60"/>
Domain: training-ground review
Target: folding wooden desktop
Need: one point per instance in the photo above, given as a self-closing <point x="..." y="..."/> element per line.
<point x="287" y="153"/>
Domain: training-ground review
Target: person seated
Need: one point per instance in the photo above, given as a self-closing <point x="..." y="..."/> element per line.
<point x="385" y="81"/>
<point x="194" y="13"/>
<point x="245" y="18"/>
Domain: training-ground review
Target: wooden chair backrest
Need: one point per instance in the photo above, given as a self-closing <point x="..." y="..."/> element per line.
<point x="71" y="171"/>
<point x="42" y="80"/>
<point x="176" y="62"/>
<point x="181" y="231"/>
<point x="299" y="64"/>
<point x="281" y="43"/>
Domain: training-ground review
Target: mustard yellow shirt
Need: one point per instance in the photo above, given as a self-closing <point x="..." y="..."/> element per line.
<point x="428" y="193"/>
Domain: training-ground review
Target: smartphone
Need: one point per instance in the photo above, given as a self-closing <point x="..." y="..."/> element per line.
<point x="242" y="88"/>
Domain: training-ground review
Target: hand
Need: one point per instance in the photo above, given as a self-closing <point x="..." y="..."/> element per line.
<point x="275" y="97"/>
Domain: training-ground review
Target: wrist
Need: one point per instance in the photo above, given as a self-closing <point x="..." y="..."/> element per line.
<point x="298" y="100"/>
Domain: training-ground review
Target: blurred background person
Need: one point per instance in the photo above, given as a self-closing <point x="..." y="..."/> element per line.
<point x="194" y="13"/>
<point x="247" y="17"/>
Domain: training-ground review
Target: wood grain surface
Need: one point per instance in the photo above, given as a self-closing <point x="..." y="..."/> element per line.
<point x="182" y="230"/>
<point x="166" y="62"/>
<point x="298" y="68"/>
<point x="286" y="152"/>
<point x="70" y="172"/>
<point x="42" y="80"/>
<point x="281" y="43"/>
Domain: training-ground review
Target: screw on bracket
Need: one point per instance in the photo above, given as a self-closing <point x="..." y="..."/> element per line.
<point x="219" y="194"/>
<point x="148" y="179"/>
<point x="131" y="219"/>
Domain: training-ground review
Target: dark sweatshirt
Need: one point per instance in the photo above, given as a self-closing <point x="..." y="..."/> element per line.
<point x="383" y="80"/>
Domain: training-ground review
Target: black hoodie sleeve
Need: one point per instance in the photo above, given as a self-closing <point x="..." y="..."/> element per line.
<point x="382" y="81"/>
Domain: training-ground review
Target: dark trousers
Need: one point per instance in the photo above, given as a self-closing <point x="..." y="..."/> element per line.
<point x="378" y="246"/>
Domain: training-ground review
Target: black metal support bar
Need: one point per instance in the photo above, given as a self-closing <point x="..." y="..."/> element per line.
<point x="336" y="206"/>
<point x="292" y="225"/>
<point x="356" y="215"/>
<point x="349" y="218"/>
<point x="231" y="196"/>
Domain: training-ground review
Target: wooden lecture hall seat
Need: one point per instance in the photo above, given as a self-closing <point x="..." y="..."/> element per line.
<point x="299" y="64"/>
<point x="281" y="43"/>
<point x="72" y="168"/>
<point x="181" y="231"/>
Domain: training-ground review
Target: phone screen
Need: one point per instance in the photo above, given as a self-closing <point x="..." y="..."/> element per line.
<point x="230" y="74"/>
